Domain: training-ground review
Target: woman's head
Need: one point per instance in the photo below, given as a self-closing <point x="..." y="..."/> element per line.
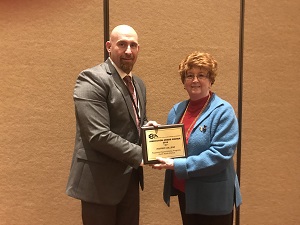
<point x="198" y="72"/>
<point x="201" y="60"/>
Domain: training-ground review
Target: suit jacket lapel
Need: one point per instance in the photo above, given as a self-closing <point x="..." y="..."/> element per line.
<point x="122" y="87"/>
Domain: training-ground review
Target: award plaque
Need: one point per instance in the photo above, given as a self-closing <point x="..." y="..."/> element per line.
<point x="167" y="141"/>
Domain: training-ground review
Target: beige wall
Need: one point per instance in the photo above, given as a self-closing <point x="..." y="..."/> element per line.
<point x="45" y="44"/>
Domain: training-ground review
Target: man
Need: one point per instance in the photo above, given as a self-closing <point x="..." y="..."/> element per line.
<point x="106" y="166"/>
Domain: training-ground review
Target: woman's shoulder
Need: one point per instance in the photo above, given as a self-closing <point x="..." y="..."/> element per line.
<point x="218" y="101"/>
<point x="181" y="105"/>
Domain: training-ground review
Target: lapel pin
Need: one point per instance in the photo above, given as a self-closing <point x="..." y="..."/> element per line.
<point x="203" y="129"/>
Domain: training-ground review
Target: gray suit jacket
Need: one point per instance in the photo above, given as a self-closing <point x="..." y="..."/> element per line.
<point x="107" y="145"/>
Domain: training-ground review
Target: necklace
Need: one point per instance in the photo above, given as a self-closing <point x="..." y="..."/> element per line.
<point x="196" y="118"/>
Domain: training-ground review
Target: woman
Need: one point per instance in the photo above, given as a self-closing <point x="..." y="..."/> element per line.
<point x="205" y="181"/>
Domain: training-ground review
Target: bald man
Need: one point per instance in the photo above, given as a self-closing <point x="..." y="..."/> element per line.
<point x="106" y="168"/>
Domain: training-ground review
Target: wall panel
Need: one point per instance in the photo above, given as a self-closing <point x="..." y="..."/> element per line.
<point x="44" y="45"/>
<point x="168" y="31"/>
<point x="271" y="134"/>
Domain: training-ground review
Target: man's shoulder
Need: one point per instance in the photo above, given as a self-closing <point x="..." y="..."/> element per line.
<point x="100" y="71"/>
<point x="100" y="68"/>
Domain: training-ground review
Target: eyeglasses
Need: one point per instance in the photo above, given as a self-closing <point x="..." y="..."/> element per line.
<point x="198" y="76"/>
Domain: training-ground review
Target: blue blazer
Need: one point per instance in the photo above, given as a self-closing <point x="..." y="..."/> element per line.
<point x="212" y="186"/>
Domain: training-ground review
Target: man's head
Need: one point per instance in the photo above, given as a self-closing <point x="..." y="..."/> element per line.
<point x="123" y="47"/>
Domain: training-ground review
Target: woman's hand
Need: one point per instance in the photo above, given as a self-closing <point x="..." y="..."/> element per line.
<point x="165" y="163"/>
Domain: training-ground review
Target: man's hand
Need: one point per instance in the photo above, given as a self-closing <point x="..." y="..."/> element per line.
<point x="142" y="163"/>
<point x="152" y="123"/>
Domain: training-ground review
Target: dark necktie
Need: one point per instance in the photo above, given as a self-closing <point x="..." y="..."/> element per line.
<point x="129" y="84"/>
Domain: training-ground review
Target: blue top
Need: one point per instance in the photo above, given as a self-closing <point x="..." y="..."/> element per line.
<point x="211" y="184"/>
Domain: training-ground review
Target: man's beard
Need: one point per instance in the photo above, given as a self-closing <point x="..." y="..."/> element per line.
<point x="126" y="67"/>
